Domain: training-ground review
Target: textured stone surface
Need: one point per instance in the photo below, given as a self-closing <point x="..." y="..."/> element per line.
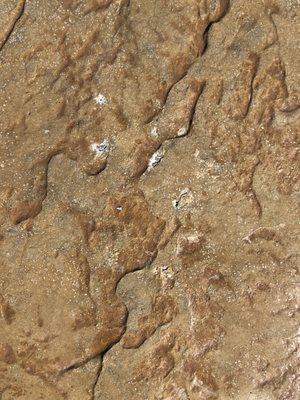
<point x="149" y="200"/>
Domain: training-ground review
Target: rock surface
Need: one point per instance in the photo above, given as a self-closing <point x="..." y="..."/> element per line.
<point x="149" y="200"/>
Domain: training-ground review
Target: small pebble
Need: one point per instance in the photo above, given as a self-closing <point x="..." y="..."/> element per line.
<point x="154" y="132"/>
<point x="185" y="199"/>
<point x="100" y="148"/>
<point x="182" y="131"/>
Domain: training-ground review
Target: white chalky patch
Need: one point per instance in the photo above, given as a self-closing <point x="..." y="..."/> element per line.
<point x="181" y="394"/>
<point x="204" y="391"/>
<point x="101" y="99"/>
<point x="251" y="235"/>
<point x="194" y="238"/>
<point x="154" y="132"/>
<point x="165" y="272"/>
<point x="182" y="131"/>
<point x="100" y="148"/>
<point x="193" y="318"/>
<point x="156" y="158"/>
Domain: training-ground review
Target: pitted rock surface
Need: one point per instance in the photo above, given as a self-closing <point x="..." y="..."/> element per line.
<point x="149" y="200"/>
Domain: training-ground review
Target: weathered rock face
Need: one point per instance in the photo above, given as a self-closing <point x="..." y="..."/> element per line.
<point x="149" y="200"/>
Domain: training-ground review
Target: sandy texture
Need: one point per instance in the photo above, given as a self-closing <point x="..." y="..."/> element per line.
<point x="149" y="200"/>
